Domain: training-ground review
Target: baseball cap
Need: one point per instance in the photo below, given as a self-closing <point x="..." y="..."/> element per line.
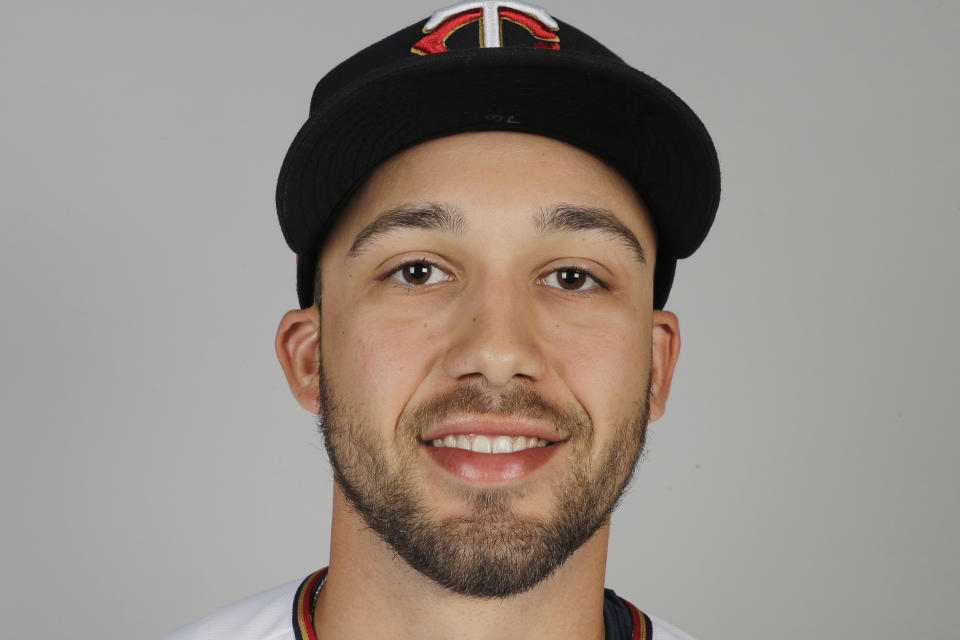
<point x="497" y="65"/>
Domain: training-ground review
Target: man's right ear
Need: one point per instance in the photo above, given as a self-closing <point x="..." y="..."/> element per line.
<point x="297" y="339"/>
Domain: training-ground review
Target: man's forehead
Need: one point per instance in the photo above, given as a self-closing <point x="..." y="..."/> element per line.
<point x="519" y="178"/>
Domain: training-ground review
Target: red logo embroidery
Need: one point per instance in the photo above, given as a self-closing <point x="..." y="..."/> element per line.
<point x="444" y="22"/>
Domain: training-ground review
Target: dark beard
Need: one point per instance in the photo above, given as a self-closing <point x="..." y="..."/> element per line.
<point x="492" y="553"/>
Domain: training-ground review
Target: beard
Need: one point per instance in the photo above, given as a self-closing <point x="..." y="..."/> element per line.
<point x="492" y="552"/>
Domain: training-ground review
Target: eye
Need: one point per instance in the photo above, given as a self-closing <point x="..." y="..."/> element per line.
<point x="418" y="273"/>
<point x="572" y="279"/>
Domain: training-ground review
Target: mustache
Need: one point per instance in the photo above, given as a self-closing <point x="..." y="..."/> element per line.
<point x="519" y="401"/>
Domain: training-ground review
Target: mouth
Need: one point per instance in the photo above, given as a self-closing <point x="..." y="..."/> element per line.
<point x="487" y="452"/>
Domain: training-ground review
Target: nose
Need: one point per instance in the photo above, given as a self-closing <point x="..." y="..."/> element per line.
<point x="495" y="335"/>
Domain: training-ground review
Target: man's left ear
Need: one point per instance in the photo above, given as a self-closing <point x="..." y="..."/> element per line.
<point x="665" y="349"/>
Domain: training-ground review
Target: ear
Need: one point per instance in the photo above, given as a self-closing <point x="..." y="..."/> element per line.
<point x="665" y="349"/>
<point x="297" y="340"/>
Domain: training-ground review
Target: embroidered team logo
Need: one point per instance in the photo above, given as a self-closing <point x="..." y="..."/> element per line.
<point x="444" y="22"/>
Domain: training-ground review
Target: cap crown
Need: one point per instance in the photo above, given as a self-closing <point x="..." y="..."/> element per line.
<point x="440" y="77"/>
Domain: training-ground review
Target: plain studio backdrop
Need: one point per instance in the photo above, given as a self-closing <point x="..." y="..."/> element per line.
<point x="154" y="466"/>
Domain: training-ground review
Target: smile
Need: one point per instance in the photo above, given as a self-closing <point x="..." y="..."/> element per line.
<point x="491" y="451"/>
<point x="494" y="444"/>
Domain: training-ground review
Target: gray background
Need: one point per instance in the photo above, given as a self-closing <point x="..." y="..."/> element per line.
<point x="153" y="464"/>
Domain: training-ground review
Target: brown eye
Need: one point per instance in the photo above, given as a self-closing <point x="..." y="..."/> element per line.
<point x="571" y="278"/>
<point x="417" y="272"/>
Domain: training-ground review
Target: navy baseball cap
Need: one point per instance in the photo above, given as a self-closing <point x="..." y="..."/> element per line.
<point x="497" y="65"/>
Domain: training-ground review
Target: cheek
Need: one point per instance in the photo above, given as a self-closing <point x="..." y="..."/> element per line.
<point x="376" y="359"/>
<point x="605" y="365"/>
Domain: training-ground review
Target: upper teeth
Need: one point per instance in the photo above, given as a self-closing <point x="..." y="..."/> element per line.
<point x="490" y="444"/>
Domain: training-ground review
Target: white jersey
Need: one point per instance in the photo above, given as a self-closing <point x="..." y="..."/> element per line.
<point x="285" y="613"/>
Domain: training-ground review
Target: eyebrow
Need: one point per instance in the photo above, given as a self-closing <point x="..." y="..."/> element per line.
<point x="431" y="216"/>
<point x="567" y="217"/>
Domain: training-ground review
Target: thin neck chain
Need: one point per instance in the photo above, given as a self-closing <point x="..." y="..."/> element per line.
<point x="316" y="593"/>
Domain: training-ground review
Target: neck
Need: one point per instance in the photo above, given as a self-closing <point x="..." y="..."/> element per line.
<point x="372" y="593"/>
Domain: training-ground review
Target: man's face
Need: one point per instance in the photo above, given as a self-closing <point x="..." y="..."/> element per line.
<point x="485" y="354"/>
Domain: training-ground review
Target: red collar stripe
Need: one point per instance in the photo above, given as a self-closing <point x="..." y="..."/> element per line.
<point x="303" y="604"/>
<point x="641" y="623"/>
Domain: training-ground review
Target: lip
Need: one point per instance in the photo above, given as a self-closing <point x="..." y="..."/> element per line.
<point x="490" y="468"/>
<point x="473" y="425"/>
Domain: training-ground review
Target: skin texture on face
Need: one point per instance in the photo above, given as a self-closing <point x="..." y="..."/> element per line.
<point x="497" y="276"/>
